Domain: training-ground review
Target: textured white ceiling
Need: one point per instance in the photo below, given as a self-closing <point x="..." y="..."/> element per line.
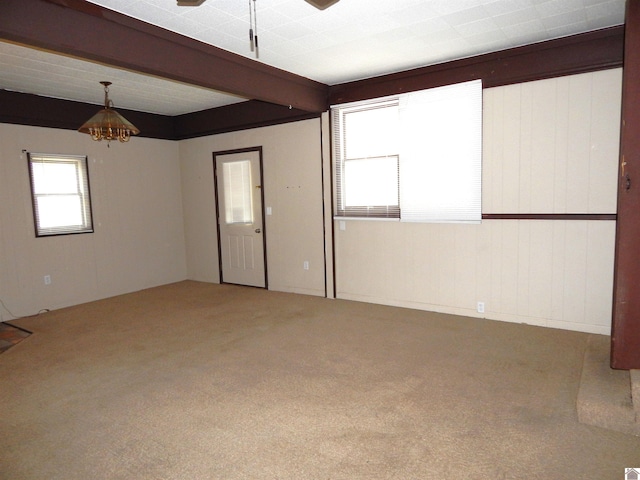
<point x="351" y="40"/>
<point x="28" y="70"/>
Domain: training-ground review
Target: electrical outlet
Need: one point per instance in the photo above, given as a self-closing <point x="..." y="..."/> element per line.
<point x="47" y="279"/>
<point x="305" y="265"/>
<point x="480" y="307"/>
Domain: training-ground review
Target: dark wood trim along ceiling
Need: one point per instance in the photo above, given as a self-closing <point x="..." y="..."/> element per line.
<point x="26" y="109"/>
<point x="582" y="53"/>
<point x="88" y="31"/>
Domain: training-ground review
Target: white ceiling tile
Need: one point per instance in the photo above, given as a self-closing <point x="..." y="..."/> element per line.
<point x="565" y="19"/>
<point x="146" y="11"/>
<point x="294" y="9"/>
<point x="430" y="26"/>
<point x="397" y="35"/>
<point x="532" y="31"/>
<point x="487" y="41"/>
<point x="236" y="8"/>
<point x="415" y="14"/>
<point x="291" y="30"/>
<point x="211" y="17"/>
<point x="443" y="36"/>
<point x="603" y="22"/>
<point x="551" y="8"/>
<point x="502" y="7"/>
<point x="473" y="14"/>
<point x="563" y="30"/>
<point x="230" y="29"/>
<point x="478" y="27"/>
<point x="446" y="7"/>
<point x="515" y="17"/>
<point x="328" y="20"/>
<point x="607" y="10"/>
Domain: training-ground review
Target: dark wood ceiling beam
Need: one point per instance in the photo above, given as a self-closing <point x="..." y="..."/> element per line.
<point x="88" y="31"/>
<point x="232" y="118"/>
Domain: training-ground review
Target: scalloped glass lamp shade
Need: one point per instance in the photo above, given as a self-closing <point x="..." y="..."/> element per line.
<point x="108" y="124"/>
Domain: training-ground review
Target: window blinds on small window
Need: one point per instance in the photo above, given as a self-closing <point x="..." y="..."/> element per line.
<point x="60" y="194"/>
<point x="416" y="156"/>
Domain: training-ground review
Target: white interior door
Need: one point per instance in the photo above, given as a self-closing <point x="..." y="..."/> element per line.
<point x="240" y="220"/>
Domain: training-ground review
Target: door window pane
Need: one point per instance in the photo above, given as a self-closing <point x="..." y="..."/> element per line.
<point x="237" y="192"/>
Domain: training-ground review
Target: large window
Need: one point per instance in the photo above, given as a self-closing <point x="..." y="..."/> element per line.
<point x="60" y="191"/>
<point x="416" y="157"/>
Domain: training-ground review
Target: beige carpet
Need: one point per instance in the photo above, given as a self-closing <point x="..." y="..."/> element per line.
<point x="200" y="381"/>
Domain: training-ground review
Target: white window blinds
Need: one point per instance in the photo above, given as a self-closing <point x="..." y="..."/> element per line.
<point x="441" y="154"/>
<point x="417" y="156"/>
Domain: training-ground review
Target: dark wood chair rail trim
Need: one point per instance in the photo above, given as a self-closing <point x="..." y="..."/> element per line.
<point x="549" y="216"/>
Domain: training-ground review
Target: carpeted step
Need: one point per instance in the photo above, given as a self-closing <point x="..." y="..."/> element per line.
<point x="604" y="397"/>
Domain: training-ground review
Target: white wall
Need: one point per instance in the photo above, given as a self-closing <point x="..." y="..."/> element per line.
<point x="138" y="240"/>
<point x="549" y="147"/>
<point x="292" y="184"/>
<point x="552" y="146"/>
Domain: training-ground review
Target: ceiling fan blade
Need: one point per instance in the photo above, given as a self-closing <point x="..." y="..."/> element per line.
<point x="322" y="4"/>
<point x="190" y="3"/>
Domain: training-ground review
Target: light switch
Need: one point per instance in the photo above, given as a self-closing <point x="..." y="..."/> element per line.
<point x="343" y="225"/>
<point x="268" y="210"/>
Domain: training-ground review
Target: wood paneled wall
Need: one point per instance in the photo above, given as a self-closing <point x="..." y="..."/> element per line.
<point x="550" y="146"/>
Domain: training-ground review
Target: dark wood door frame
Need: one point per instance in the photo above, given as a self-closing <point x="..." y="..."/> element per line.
<point x="625" y="327"/>
<point x="221" y="153"/>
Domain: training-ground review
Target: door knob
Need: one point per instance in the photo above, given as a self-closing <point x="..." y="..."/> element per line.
<point x="257" y="230"/>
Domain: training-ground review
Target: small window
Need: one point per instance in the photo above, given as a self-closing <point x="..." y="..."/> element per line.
<point x="60" y="194"/>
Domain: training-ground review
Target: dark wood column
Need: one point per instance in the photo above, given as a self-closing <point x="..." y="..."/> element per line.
<point x="625" y="331"/>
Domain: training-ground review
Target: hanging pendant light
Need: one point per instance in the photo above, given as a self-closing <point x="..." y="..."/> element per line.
<point x="108" y="124"/>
